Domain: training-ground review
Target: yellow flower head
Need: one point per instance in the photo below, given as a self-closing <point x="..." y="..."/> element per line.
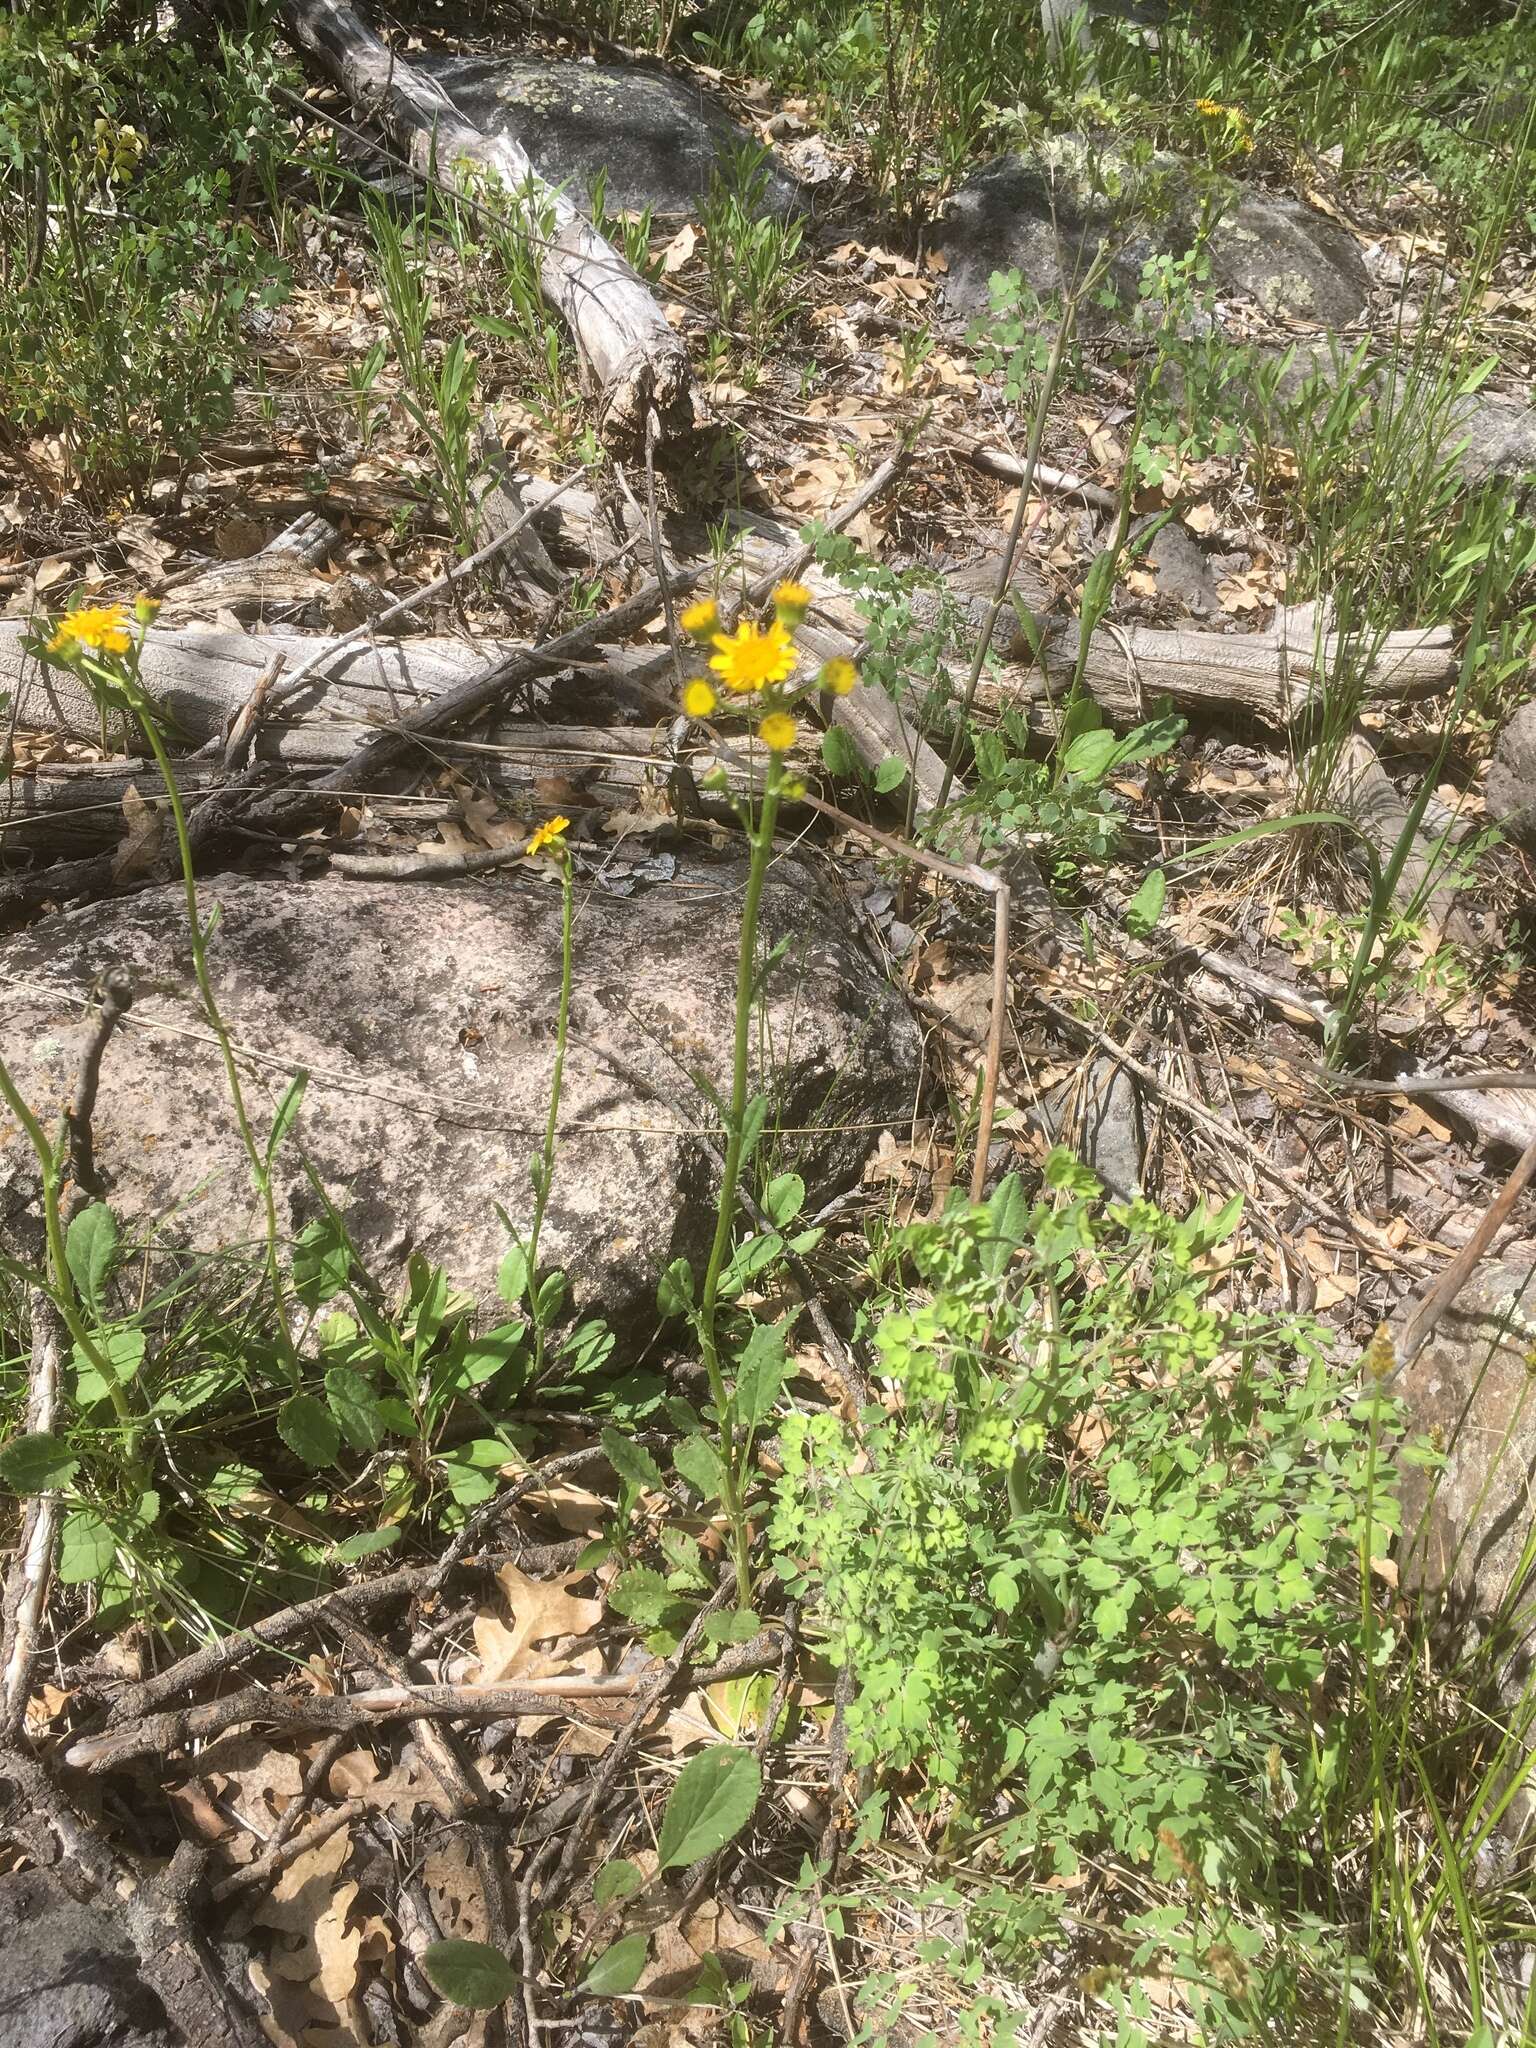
<point x="1212" y="109"/>
<point x="778" y="732"/>
<point x="699" y="698"/>
<point x="102" y="628"/>
<point x="791" y="602"/>
<point x="753" y="656"/>
<point x="700" y="620"/>
<point x="838" y="675"/>
<point x="549" y="834"/>
<point x="146" y="609"/>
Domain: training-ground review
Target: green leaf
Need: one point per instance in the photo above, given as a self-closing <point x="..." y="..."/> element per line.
<point x="753" y="1118"/>
<point x="469" y="1973"/>
<point x="783" y="1199"/>
<point x="674" y="1290"/>
<point x="485" y="1356"/>
<point x="512" y="1279"/>
<point x="891" y="774"/>
<point x="1090" y="754"/>
<point x="86" y="1548"/>
<point x="760" y="1373"/>
<point x="737" y="1625"/>
<point x="1146" y="906"/>
<point x="37" y="1463"/>
<point x="641" y="1596"/>
<point x="840" y="756"/>
<point x="696" y="1460"/>
<point x="91" y="1251"/>
<point x="355" y="1406"/>
<point x="309" y="1430"/>
<point x="322" y="1259"/>
<point x="287" y="1110"/>
<point x="617" y="1969"/>
<point x="367" y="1543"/>
<point x="715" y="1796"/>
<point x="121" y="1351"/>
<point x="616" y="1881"/>
<point x="632" y="1461"/>
<point x="711" y="1986"/>
<point x="549" y="1299"/>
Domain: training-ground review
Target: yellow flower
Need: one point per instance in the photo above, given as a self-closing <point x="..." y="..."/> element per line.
<point x="752" y="657"/>
<point x="791" y="602"/>
<point x="1212" y="109"/>
<point x="102" y="627"/>
<point x="838" y="675"/>
<point x="145" y="609"/>
<point x="778" y="732"/>
<point x="698" y="698"/>
<point x="549" y="834"/>
<point x="701" y="619"/>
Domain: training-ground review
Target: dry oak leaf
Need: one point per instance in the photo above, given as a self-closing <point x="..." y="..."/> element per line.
<point x="542" y="1611"/>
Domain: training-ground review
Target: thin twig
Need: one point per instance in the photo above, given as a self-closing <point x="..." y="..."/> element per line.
<point x="1215" y="1125"/>
<point x="289" y="1850"/>
<point x="1422" y="1321"/>
<point x="576" y="1695"/>
<point x="371" y="1596"/>
<point x="117" y="993"/>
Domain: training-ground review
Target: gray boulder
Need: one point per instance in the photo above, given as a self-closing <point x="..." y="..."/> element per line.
<point x="1466" y="1528"/>
<point x="69" y="1976"/>
<point x="424" y="1013"/>
<point x="1046" y="215"/>
<point x="1511" y="792"/>
<point x="659" y="138"/>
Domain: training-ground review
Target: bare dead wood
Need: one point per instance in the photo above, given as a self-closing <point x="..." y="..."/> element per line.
<point x="1276" y="678"/>
<point x="371" y="1596"/>
<point x="634" y="360"/>
<point x="376" y="1706"/>
<point x="1426" y="886"/>
<point x="1420" y="1324"/>
<point x="283" y="574"/>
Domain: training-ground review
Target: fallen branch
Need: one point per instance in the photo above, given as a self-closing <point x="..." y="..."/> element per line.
<point x="634" y="360"/>
<point x="581" y="1697"/>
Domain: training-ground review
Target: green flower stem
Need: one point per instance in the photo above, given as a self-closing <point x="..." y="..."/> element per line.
<point x="63" y="1290"/>
<point x="725" y="1217"/>
<point x="149" y="726"/>
<point x="547" y="1156"/>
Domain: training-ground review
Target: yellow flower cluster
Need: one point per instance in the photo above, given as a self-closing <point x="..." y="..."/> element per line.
<point x="760" y="661"/>
<point x="95" y="629"/>
<point x="551" y="833"/>
<point x="1239" y="127"/>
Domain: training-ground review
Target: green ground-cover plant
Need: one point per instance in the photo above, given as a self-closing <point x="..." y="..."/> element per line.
<point x="756" y="270"/>
<point x="130" y="265"/>
<point x="1096" y="1561"/>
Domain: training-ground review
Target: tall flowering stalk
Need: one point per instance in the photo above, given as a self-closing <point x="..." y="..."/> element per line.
<point x="548" y="843"/>
<point x="752" y="663"/>
<point x="103" y="645"/>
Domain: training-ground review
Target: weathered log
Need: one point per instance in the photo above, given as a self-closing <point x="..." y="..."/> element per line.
<point x="1275" y="677"/>
<point x="283" y="573"/>
<point x="632" y="357"/>
<point x="1427" y="884"/>
<point x="68" y="809"/>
